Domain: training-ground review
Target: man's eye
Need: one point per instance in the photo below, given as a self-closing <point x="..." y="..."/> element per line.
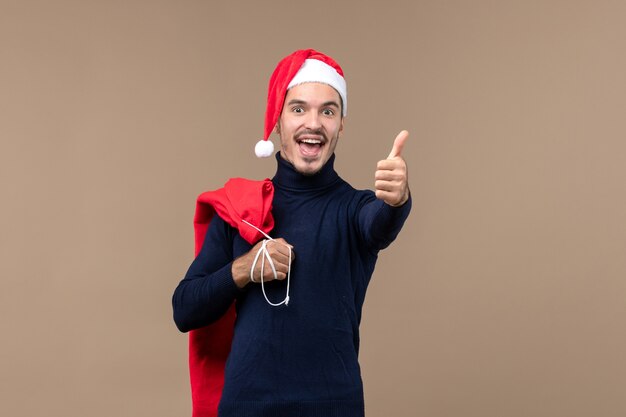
<point x="298" y="110"/>
<point x="328" y="112"/>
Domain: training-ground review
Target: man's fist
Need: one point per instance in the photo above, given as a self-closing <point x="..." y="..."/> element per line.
<point x="391" y="177"/>
<point x="278" y="250"/>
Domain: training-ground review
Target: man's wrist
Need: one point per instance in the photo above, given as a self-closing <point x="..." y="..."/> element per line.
<point x="241" y="274"/>
<point x="405" y="198"/>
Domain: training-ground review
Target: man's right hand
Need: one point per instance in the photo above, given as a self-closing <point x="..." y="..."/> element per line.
<point x="279" y="252"/>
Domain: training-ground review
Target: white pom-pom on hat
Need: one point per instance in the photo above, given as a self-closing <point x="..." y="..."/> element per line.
<point x="264" y="148"/>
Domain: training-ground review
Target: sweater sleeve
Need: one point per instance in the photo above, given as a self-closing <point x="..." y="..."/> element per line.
<point x="208" y="289"/>
<point x="380" y="223"/>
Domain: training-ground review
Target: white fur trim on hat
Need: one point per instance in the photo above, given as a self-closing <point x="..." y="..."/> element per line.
<point x="313" y="71"/>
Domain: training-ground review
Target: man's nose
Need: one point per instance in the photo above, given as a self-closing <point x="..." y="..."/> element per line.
<point x="313" y="121"/>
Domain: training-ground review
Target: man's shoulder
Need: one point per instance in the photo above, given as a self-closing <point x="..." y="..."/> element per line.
<point x="355" y="193"/>
<point x="353" y="197"/>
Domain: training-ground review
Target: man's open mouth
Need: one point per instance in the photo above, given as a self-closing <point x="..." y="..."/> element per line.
<point x="310" y="146"/>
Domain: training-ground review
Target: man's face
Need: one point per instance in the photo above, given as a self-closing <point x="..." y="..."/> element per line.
<point x="309" y="126"/>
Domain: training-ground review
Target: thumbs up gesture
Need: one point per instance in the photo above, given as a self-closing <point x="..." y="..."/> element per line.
<point x="391" y="177"/>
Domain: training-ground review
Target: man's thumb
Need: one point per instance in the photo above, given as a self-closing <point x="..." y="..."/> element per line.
<point x="398" y="144"/>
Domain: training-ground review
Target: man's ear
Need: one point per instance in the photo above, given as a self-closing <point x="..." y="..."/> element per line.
<point x="341" y="125"/>
<point x="277" y="127"/>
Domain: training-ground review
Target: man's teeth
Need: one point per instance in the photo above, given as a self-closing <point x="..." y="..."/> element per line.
<point x="311" y="141"/>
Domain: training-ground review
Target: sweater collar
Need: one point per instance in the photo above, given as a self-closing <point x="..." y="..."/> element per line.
<point x="287" y="176"/>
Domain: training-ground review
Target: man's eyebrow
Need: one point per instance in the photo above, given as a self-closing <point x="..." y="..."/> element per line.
<point x="326" y="104"/>
<point x="295" y="101"/>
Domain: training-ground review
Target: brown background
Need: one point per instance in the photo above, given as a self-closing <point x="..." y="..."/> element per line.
<point x="505" y="294"/>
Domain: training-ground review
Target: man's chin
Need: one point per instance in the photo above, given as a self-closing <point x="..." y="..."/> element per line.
<point x="308" y="168"/>
<point x="304" y="166"/>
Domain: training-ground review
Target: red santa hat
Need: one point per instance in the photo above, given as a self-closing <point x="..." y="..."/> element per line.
<point x="306" y="65"/>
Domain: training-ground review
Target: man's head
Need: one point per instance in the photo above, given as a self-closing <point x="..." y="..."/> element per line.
<point x="307" y="100"/>
<point x="309" y="126"/>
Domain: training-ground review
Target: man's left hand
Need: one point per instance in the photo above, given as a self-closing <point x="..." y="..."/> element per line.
<point x="391" y="177"/>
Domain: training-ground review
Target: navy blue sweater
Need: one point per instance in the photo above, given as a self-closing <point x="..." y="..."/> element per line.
<point x="300" y="359"/>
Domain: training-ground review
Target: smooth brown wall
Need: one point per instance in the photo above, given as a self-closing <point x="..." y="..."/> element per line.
<point x="503" y="296"/>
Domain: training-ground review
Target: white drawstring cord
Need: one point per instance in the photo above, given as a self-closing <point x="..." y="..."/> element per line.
<point x="266" y="255"/>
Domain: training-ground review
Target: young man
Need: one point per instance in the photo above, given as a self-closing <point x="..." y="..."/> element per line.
<point x="295" y="339"/>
